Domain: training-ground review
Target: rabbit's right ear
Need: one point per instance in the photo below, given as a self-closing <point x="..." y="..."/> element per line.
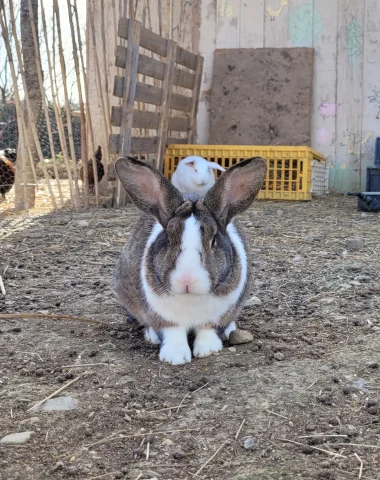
<point x="150" y="191"/>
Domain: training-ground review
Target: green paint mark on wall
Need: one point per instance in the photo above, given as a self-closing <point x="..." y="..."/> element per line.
<point x="354" y="41"/>
<point x="304" y="25"/>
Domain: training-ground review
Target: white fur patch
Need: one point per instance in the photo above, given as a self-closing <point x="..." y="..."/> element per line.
<point x="175" y="348"/>
<point x="188" y="310"/>
<point x="231" y="327"/>
<point x="206" y="342"/>
<point x="189" y="267"/>
<point x="151" y="336"/>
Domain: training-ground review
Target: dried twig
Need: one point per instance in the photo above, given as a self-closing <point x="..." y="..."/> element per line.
<point x="211" y="458"/>
<point x="312" y="385"/>
<point x="361" y="465"/>
<point x="48" y="315"/>
<point x="2" y="288"/>
<point x="333" y="454"/>
<point x="239" y="430"/>
<point x="276" y="414"/>
<point x="363" y="445"/>
<point x="321" y="435"/>
<point x="87" y="365"/>
<point x="168" y="408"/>
<point x="121" y="437"/>
<point x="55" y="393"/>
<point x="200" y="388"/>
<point x="147" y="450"/>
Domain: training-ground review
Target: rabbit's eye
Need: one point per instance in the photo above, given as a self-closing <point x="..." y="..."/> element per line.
<point x="213" y="242"/>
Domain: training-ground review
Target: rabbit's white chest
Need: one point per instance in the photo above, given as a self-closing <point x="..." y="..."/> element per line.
<point x="190" y="310"/>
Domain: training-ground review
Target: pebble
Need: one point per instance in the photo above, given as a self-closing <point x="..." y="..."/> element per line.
<point x="167" y="443"/>
<point x="58" y="404"/>
<point x="354" y="243"/>
<point x="232" y="349"/>
<point x="249" y="443"/>
<point x="16" y="438"/>
<point x="252" y="301"/>
<point x="325" y="397"/>
<point x="279" y="356"/>
<point x="179" y="454"/>
<point x="82" y="223"/>
<point x="238" y="337"/>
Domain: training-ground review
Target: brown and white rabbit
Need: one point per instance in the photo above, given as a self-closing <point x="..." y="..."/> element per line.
<point x="186" y="266"/>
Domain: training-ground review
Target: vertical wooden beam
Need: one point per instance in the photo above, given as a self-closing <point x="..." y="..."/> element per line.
<point x="130" y="75"/>
<point x="195" y="100"/>
<point x="167" y="87"/>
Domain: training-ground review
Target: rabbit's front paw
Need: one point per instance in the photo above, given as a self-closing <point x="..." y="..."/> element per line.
<point x="175" y="349"/>
<point x="151" y="336"/>
<point x="206" y="342"/>
<point x="175" y="354"/>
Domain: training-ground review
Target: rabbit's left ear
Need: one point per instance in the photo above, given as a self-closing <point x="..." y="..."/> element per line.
<point x="236" y="190"/>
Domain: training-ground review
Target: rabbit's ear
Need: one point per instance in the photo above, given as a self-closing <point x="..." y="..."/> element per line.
<point x="216" y="166"/>
<point x="150" y="191"/>
<point x="235" y="191"/>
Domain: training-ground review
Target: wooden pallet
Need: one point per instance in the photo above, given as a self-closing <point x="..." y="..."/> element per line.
<point x="169" y="70"/>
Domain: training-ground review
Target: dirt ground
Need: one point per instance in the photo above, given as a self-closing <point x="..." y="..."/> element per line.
<point x="307" y="388"/>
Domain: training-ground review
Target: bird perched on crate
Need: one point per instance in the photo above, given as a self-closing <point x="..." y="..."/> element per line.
<point x="7" y="170"/>
<point x="100" y="167"/>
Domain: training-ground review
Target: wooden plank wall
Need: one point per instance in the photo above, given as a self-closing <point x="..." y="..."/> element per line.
<point x="346" y="99"/>
<point x="171" y="18"/>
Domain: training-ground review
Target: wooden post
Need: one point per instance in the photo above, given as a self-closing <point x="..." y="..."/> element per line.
<point x="30" y="112"/>
<point x="44" y="103"/>
<point x="81" y="105"/>
<point x="130" y="81"/>
<point x="167" y="87"/>
<point x="57" y="111"/>
<point x="67" y="103"/>
<point x="195" y="100"/>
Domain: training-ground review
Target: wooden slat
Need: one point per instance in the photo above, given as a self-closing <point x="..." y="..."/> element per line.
<point x="118" y="86"/>
<point x="153" y="68"/>
<point x="153" y="42"/>
<point x="180" y="102"/>
<point x="183" y="79"/>
<point x="149" y="40"/>
<point x="186" y="58"/>
<point x="178" y="124"/>
<point x="174" y="141"/>
<point x="113" y="143"/>
<point x="148" y="94"/>
<point x="144" y="119"/>
<point x="149" y="120"/>
<point x="115" y="116"/>
<point x="129" y="95"/>
<point x="165" y="102"/>
<point x="141" y="144"/>
<point x="195" y="100"/>
<point x="144" y="145"/>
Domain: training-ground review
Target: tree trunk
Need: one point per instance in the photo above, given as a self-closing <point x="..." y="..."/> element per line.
<point x="29" y="60"/>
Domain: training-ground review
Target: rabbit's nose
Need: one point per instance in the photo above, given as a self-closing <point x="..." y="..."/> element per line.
<point x="186" y="280"/>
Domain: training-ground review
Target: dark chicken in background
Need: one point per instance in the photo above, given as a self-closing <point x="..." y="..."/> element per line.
<point x="100" y="167"/>
<point x="8" y="159"/>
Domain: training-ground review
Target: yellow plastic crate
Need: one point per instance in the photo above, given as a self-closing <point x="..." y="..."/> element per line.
<point x="294" y="173"/>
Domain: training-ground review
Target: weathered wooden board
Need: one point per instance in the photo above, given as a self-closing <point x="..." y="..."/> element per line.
<point x="262" y="97"/>
<point x="324" y="112"/>
<point x="371" y="86"/>
<point x="349" y="139"/>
